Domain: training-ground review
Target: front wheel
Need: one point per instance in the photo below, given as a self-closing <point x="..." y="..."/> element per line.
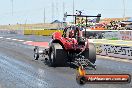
<point x="36" y="52"/>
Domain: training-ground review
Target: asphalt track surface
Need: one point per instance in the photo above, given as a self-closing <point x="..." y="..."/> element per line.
<point x="18" y="69"/>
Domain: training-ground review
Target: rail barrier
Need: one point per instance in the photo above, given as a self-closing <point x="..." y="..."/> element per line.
<point x="114" y="49"/>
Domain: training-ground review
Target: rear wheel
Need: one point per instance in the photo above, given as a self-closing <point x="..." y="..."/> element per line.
<point x="57" y="56"/>
<point x="91" y="53"/>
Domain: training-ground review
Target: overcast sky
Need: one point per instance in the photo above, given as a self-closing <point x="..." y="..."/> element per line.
<point x="32" y="11"/>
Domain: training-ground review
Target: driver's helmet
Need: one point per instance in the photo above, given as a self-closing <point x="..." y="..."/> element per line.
<point x="71" y="33"/>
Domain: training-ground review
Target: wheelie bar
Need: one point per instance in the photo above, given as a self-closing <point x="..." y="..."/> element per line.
<point x="85" y="63"/>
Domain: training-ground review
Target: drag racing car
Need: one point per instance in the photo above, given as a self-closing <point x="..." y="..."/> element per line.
<point x="72" y="46"/>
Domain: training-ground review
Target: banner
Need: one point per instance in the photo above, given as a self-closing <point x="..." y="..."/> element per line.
<point x="114" y="51"/>
<point x="125" y="35"/>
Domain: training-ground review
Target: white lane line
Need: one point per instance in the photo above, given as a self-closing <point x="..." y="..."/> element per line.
<point x="115" y="59"/>
<point x="29" y="41"/>
<point x="14" y="39"/>
<point x="1" y="37"/>
<point x="8" y="38"/>
<point x="26" y="43"/>
<point x="21" y="40"/>
<point x="30" y="44"/>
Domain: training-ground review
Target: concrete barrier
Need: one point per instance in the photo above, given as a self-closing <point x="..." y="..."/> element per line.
<point x="41" y="32"/>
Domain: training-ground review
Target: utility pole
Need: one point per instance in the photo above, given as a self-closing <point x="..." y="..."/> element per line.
<point x="73" y="10"/>
<point x="44" y="15"/>
<point x="63" y="8"/>
<point x="124" y="12"/>
<point x="62" y="26"/>
<point x="53" y="11"/>
<point x="57" y="11"/>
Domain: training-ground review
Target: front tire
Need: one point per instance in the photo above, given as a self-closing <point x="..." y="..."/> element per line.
<point x="36" y="52"/>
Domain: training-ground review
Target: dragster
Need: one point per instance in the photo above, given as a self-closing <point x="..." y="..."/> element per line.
<point x="72" y="46"/>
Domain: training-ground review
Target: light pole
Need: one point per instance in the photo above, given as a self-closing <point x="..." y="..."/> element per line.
<point x="44" y="15"/>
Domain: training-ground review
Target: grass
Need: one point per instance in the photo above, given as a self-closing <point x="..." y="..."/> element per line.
<point x="114" y="39"/>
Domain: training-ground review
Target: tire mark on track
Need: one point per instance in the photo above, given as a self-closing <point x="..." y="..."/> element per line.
<point x="22" y="75"/>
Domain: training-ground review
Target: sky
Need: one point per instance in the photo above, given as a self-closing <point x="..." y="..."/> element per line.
<point x="32" y="11"/>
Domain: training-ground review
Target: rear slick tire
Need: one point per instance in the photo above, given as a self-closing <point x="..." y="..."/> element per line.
<point x="57" y="56"/>
<point x="91" y="53"/>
